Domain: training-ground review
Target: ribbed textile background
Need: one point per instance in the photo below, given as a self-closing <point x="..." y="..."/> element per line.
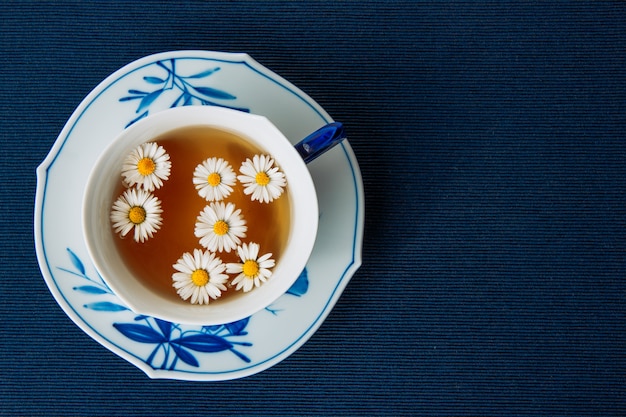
<point x="490" y="137"/>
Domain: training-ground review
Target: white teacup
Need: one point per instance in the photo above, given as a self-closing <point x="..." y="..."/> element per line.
<point x="101" y="193"/>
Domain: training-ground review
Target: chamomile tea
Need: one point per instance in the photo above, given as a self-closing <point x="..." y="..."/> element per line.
<point x="221" y="196"/>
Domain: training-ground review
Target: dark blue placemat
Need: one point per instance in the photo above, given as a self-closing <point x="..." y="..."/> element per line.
<point x="491" y="142"/>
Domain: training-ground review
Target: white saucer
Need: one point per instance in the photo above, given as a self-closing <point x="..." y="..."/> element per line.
<point x="167" y="350"/>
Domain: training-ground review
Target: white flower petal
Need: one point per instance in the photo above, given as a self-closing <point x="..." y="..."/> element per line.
<point x="187" y="265"/>
<point x="162" y="166"/>
<point x="121" y="210"/>
<point x="209" y="216"/>
<point x="263" y="193"/>
<point x="209" y="191"/>
<point x="250" y="252"/>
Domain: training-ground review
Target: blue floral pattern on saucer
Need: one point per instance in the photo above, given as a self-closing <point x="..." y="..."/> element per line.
<point x="173" y="341"/>
<point x="187" y="93"/>
<point x="170" y="350"/>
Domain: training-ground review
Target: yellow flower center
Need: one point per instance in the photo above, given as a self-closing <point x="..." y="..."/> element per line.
<point x="262" y="178"/>
<point x="137" y="214"/>
<point x="146" y="166"/>
<point x="200" y="277"/>
<point x="220" y="228"/>
<point x="214" y="179"/>
<point x="250" y="268"/>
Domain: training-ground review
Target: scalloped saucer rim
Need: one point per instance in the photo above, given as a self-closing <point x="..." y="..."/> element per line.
<point x="170" y="350"/>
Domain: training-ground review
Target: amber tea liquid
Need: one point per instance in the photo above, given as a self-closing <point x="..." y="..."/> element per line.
<point x="268" y="223"/>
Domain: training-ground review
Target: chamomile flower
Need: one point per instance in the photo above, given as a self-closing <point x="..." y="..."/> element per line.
<point x="139" y="210"/>
<point x="219" y="227"/>
<point x="200" y="276"/>
<point x="214" y="179"/>
<point x="261" y="179"/>
<point x="147" y="166"/>
<point x="253" y="270"/>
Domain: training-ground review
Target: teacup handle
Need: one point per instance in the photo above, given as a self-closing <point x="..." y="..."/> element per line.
<point x="320" y="141"/>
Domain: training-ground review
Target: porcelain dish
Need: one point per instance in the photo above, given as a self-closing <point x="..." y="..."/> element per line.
<point x="178" y="351"/>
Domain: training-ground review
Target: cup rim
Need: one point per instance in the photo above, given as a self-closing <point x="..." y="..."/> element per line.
<point x="99" y="196"/>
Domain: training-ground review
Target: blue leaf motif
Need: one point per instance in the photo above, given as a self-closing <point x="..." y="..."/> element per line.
<point x="162" y="65"/>
<point x="190" y="94"/>
<point x="213" y="328"/>
<point x="141" y="116"/>
<point x="76" y="261"/>
<point x="140" y="333"/>
<point x="178" y="100"/>
<point x="203" y="73"/>
<point x="154" y="80"/>
<point x="237" y="328"/>
<point x="301" y="286"/>
<point x="203" y="343"/>
<point x="214" y="93"/>
<point x="90" y="289"/>
<point x="105" y="306"/>
<point x="129" y="98"/>
<point x="147" y="100"/>
<point x="185" y="356"/>
<point x="165" y="326"/>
